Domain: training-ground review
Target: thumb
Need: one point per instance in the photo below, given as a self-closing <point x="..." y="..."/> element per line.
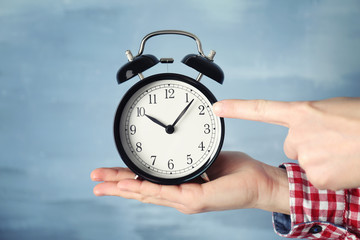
<point x="275" y="112"/>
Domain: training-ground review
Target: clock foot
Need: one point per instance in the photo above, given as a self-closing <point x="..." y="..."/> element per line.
<point x="205" y="177"/>
<point x="137" y="177"/>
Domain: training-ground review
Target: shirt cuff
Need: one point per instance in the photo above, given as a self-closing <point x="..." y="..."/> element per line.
<point x="314" y="213"/>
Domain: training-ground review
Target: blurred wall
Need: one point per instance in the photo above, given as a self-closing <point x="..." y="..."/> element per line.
<point x="58" y="95"/>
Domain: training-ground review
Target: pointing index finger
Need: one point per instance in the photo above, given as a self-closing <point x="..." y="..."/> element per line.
<point x="275" y="112"/>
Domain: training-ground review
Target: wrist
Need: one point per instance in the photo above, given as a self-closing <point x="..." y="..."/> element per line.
<point x="276" y="198"/>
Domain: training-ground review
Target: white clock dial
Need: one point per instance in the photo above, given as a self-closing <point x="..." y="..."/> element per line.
<point x="168" y="130"/>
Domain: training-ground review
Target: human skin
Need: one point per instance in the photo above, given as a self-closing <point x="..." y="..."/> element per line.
<point x="324" y="136"/>
<point x="237" y="181"/>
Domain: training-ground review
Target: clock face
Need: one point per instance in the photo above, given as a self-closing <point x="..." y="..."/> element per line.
<point x="165" y="129"/>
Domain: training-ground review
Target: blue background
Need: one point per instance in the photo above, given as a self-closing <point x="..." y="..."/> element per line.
<point x="58" y="96"/>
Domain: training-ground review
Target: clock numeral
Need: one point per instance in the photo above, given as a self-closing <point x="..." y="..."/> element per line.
<point x="207" y="128"/>
<point x="132" y="129"/>
<point x="171" y="164"/>
<point x="169" y="93"/>
<point x="138" y="146"/>
<point x="189" y="159"/>
<point x="202" y="110"/>
<point x="152" y="99"/>
<point x="140" y="111"/>
<point x="186" y="97"/>
<point x="153" y="157"/>
<point x="201" y="146"/>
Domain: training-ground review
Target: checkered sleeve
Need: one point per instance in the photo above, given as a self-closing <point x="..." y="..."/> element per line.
<point x="318" y="214"/>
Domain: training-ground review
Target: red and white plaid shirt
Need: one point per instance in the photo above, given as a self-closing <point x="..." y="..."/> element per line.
<point x="318" y="214"/>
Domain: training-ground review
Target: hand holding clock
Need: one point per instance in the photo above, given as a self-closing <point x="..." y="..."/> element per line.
<point x="237" y="181"/>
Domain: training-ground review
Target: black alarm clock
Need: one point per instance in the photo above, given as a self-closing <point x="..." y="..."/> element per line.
<point x="164" y="128"/>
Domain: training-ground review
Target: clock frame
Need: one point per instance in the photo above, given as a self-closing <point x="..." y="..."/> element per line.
<point x="129" y="156"/>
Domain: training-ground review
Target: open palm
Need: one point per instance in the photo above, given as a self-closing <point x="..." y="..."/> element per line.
<point x="237" y="181"/>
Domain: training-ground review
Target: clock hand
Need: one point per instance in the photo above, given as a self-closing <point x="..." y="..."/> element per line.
<point x="169" y="128"/>
<point x="182" y="113"/>
<point x="156" y="121"/>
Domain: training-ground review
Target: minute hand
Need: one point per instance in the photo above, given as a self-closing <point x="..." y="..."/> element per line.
<point x="182" y="113"/>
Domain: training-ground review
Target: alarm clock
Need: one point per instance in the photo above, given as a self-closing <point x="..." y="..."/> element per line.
<point x="165" y="130"/>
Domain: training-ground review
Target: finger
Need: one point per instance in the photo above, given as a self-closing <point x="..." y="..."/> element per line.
<point x="146" y="188"/>
<point x="111" y="189"/>
<point x="147" y="192"/>
<point x="107" y="189"/>
<point x="186" y="198"/>
<point x="182" y="194"/>
<point x="111" y="174"/>
<point x="275" y="112"/>
<point x="151" y="200"/>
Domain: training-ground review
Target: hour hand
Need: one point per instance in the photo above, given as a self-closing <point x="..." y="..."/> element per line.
<point x="156" y="121"/>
